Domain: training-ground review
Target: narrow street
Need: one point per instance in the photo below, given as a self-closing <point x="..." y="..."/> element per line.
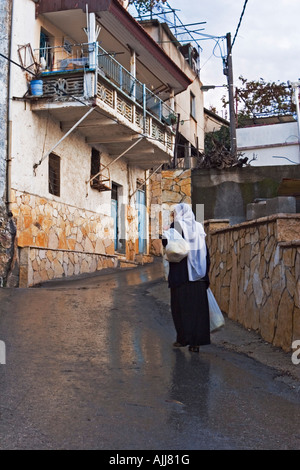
<point x="90" y="365"/>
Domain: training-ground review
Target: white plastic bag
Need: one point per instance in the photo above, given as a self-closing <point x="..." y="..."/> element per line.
<point x="166" y="267"/>
<point x="215" y="315"/>
<point x="177" y="247"/>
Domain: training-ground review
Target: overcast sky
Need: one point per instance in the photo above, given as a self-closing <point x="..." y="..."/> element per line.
<point x="267" y="45"/>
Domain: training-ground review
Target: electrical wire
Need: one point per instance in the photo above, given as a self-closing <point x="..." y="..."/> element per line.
<point x="238" y="26"/>
<point x="19" y="65"/>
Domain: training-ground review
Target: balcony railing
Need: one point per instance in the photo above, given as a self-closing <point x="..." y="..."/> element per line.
<point x="133" y="88"/>
<point x="93" y="58"/>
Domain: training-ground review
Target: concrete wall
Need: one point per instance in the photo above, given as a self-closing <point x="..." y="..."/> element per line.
<point x="213" y="122"/>
<point x="275" y="144"/>
<point x="226" y="193"/>
<point x="255" y="275"/>
<point x="7" y="230"/>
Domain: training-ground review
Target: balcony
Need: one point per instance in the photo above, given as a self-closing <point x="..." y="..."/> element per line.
<point x="86" y="76"/>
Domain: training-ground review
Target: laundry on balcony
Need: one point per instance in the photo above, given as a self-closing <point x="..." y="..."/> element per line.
<point x="78" y="63"/>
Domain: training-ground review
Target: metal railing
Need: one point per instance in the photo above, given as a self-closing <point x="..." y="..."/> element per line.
<point x="91" y="56"/>
<point x="133" y="88"/>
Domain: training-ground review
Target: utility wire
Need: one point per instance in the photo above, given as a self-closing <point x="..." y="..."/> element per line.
<point x="15" y="63"/>
<point x="238" y="26"/>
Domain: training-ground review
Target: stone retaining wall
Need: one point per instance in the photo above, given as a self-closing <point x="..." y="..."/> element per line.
<point x="41" y="264"/>
<point x="46" y="223"/>
<point x="255" y="275"/>
<point x="56" y="240"/>
<point x="168" y="188"/>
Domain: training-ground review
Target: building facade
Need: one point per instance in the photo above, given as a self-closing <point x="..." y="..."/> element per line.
<point x="188" y="105"/>
<point x="270" y="141"/>
<point x="92" y="106"/>
<point x="7" y="227"/>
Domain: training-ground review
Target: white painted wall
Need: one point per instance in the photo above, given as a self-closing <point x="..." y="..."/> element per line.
<point x="189" y="127"/>
<point x="283" y="139"/>
<point x="33" y="135"/>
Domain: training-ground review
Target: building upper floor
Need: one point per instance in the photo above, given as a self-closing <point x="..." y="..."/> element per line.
<point x="188" y="105"/>
<point x="95" y="55"/>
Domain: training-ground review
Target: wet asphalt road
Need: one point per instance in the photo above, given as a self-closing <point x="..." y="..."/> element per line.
<point x="90" y="365"/>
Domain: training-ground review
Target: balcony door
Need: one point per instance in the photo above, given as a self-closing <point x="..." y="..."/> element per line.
<point x="141" y="208"/>
<point x="114" y="212"/>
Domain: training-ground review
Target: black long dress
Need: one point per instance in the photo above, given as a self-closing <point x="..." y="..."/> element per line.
<point x="189" y="304"/>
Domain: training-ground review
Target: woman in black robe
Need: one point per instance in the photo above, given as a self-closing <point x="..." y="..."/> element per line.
<point x="188" y="281"/>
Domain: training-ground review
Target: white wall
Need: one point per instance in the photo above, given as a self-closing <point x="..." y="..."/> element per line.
<point x="268" y="142"/>
<point x="34" y="134"/>
<point x="189" y="127"/>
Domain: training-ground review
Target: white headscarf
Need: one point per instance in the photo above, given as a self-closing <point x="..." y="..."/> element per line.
<point x="194" y="234"/>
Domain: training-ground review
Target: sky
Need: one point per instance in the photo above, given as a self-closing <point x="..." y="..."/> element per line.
<point x="267" y="44"/>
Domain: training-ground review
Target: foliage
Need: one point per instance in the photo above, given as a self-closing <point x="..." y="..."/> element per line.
<point x="221" y="136"/>
<point x="146" y="5"/>
<point x="261" y="97"/>
<point x="217" y="152"/>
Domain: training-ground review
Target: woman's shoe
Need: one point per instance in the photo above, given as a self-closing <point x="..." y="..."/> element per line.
<point x="194" y="348"/>
<point x="179" y="345"/>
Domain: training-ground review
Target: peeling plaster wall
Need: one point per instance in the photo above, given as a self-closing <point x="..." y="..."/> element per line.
<point x="79" y="220"/>
<point x="35" y="134"/>
<point x="6" y="224"/>
<point x="4" y="33"/>
<point x="168" y="188"/>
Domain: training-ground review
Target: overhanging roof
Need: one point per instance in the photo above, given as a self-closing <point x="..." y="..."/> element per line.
<point x="123" y="27"/>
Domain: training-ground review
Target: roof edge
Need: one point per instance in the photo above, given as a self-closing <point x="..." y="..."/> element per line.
<point x="116" y="9"/>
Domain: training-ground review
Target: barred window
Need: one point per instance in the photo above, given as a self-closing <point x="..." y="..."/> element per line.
<point x="95" y="165"/>
<point x="192" y="105"/>
<point x="54" y="174"/>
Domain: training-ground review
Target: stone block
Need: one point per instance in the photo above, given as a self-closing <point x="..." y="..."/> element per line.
<point x="288" y="229"/>
<point x="256" y="210"/>
<point x="281" y="204"/>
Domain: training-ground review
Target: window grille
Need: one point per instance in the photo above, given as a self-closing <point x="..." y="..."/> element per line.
<point x="54" y="174"/>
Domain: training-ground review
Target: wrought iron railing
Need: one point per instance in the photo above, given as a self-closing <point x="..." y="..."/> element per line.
<point x="76" y="57"/>
<point x="133" y="88"/>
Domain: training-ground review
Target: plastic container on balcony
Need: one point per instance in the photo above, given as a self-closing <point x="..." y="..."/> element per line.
<point x="36" y="87"/>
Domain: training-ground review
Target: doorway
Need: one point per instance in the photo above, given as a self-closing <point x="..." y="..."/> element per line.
<point x="141" y="208"/>
<point x="114" y="212"/>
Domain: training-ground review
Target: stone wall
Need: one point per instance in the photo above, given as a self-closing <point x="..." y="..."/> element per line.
<point x="46" y="223"/>
<point x="42" y="264"/>
<point x="255" y="275"/>
<point x="7" y="246"/>
<point x="167" y="189"/>
<point x="57" y="240"/>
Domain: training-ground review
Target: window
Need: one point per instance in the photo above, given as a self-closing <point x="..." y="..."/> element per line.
<point x="54" y="174"/>
<point x="192" y="105"/>
<point x="95" y="167"/>
<point x="46" y="53"/>
<point x="114" y="191"/>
